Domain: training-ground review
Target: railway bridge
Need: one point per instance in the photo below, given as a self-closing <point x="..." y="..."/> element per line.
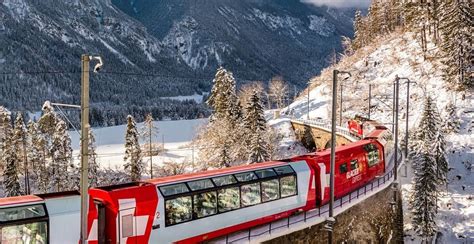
<point x="308" y="227"/>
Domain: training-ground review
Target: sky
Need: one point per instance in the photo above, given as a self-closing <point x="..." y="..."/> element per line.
<point x="340" y="3"/>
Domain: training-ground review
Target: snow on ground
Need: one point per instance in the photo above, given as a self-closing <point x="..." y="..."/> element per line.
<point x="378" y="65"/>
<point x="287" y="146"/>
<point x="176" y="135"/>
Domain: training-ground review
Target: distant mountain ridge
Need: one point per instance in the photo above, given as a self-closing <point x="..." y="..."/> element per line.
<point x="154" y="49"/>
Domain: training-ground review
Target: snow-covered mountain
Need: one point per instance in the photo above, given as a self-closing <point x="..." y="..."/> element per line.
<point x="180" y="42"/>
<point x="378" y="64"/>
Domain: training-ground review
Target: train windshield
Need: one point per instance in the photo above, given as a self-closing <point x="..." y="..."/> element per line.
<point x="24" y="224"/>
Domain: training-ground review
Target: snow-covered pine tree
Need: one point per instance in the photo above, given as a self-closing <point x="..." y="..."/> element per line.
<point x="223" y="99"/>
<point x="256" y="127"/>
<point x="61" y="153"/>
<point x="11" y="181"/>
<point x="20" y="142"/>
<point x="37" y="153"/>
<point x="456" y="27"/>
<point x="423" y="200"/>
<point x="149" y="133"/>
<point x="359" y="31"/>
<point x="93" y="164"/>
<point x="133" y="158"/>
<point x="452" y="123"/>
<point x="439" y="154"/>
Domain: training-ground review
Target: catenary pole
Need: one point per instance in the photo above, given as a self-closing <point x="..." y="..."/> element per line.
<point x="397" y="85"/>
<point x="370" y="98"/>
<point x="85" y="59"/>
<point x="333" y="150"/>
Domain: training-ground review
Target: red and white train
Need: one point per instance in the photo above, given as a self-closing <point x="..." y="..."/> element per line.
<point x="196" y="207"/>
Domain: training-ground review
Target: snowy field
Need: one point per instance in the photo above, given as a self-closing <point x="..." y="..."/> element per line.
<point x="176" y="135"/>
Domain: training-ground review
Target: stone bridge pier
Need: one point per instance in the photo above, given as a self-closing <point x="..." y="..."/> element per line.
<point x="316" y="137"/>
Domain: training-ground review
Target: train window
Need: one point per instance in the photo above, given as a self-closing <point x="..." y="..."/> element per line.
<point x="178" y="210"/>
<point x="270" y="190"/>
<point x="265" y="173"/>
<point x="174" y="189"/>
<point x="23" y="212"/>
<point x="247" y="176"/>
<point x="127" y="225"/>
<point x="250" y="194"/>
<point x="228" y="199"/>
<point x="354" y="164"/>
<point x="288" y="186"/>
<point x="25" y="233"/>
<point x="284" y="170"/>
<point x="200" y="184"/>
<point x="224" y="180"/>
<point x="205" y="204"/>
<point x="343" y="168"/>
<point x="372" y="154"/>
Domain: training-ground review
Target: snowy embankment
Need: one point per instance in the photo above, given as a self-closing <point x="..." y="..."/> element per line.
<point x="378" y="65"/>
<point x="175" y="134"/>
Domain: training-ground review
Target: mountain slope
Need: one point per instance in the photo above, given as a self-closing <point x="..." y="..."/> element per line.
<point x="378" y="64"/>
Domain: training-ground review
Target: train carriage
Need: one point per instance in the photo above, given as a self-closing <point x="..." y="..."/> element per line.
<point x="198" y="207"/>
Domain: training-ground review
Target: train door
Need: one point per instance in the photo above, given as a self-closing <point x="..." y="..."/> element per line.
<point x="101" y="222"/>
<point x="126" y="225"/>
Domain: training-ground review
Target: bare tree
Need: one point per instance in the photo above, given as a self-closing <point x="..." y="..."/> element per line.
<point x="278" y="91"/>
<point x="246" y="91"/>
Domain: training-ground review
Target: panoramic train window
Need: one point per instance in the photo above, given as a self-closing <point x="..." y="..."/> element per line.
<point x="354" y="164"/>
<point x="247" y="176"/>
<point x="178" y="210"/>
<point x="343" y="168"/>
<point x="174" y="189"/>
<point x="284" y="170"/>
<point x="205" y="204"/>
<point x="228" y="199"/>
<point x="250" y="194"/>
<point x="288" y="186"/>
<point x="25" y="233"/>
<point x="23" y="212"/>
<point x="270" y="190"/>
<point x="200" y="184"/>
<point x="265" y="173"/>
<point x="372" y="154"/>
<point x="224" y="180"/>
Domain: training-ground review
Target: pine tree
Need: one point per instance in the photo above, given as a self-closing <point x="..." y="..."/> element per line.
<point x="439" y="146"/>
<point x="430" y="169"/>
<point x="133" y="158"/>
<point x="149" y="132"/>
<point x="37" y="153"/>
<point x="11" y="181"/>
<point x="61" y="152"/>
<point x="457" y="26"/>
<point x="93" y="165"/>
<point x="256" y="127"/>
<point x="20" y="142"/>
<point x="452" y="122"/>
<point x="359" y="31"/>
<point x="223" y="99"/>
<point x="423" y="200"/>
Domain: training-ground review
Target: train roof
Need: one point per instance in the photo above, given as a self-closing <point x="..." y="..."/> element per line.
<point x="9" y="201"/>
<point x="209" y="173"/>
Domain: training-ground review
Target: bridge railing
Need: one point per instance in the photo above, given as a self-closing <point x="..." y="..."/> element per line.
<point x="321" y="212"/>
<point x="323" y="124"/>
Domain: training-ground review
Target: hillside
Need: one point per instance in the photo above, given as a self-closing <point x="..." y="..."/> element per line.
<point x="154" y="49"/>
<point x="378" y="64"/>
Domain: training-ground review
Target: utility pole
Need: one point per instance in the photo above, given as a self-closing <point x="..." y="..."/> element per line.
<point x="307" y="117"/>
<point x="151" y="150"/>
<point x="408" y="81"/>
<point x="340" y="107"/>
<point x="84" y="186"/>
<point x="370" y="98"/>
<point x="84" y="182"/>
<point x="397" y="86"/>
<point x="330" y="221"/>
